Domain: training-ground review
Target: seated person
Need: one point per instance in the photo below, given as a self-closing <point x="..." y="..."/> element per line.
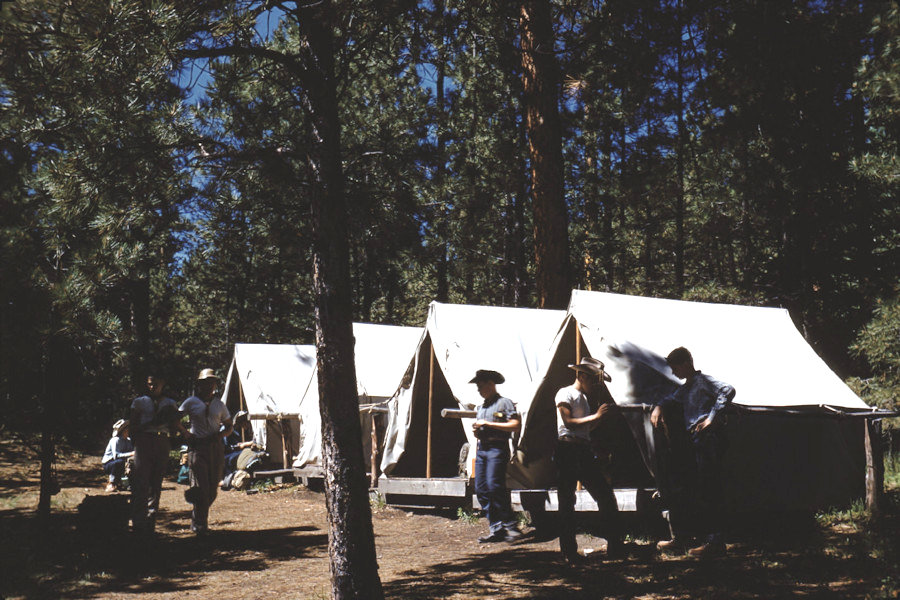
<point x="235" y="442"/>
<point x="248" y="461"/>
<point x="118" y="451"/>
<point x="184" y="470"/>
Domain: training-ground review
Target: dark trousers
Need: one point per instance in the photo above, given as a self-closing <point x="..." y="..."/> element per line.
<point x="576" y="462"/>
<point x="697" y="511"/>
<point x="151" y="457"/>
<point x="115" y="468"/>
<point x="206" y="461"/>
<point x="231" y="461"/>
<point x="491" y="459"/>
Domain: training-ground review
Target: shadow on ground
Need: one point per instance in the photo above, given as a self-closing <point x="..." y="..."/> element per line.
<point x="82" y="559"/>
<point x="786" y="557"/>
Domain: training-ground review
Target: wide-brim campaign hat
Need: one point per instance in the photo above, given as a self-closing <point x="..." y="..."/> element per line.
<point x="207" y="374"/>
<point x="118" y="425"/>
<point x="592" y="366"/>
<point x="487" y="375"/>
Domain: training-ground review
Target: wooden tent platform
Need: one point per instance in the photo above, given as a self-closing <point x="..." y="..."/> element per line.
<point x="442" y="491"/>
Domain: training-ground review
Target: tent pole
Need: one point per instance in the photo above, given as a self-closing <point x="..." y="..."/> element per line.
<point x="578" y="486"/>
<point x="430" y="411"/>
<point x="284" y="448"/>
<point x="874" y="466"/>
<point x="373" y="480"/>
<point x="577" y="343"/>
<point x="243" y="404"/>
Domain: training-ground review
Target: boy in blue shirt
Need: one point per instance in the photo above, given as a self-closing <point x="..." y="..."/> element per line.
<point x="702" y="400"/>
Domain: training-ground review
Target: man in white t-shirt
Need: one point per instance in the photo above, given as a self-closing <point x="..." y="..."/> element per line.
<point x="209" y="421"/>
<point x="575" y="458"/>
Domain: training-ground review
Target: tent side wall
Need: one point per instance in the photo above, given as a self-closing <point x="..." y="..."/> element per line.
<point x="279" y="438"/>
<point x="282" y="439"/>
<point x="446" y="434"/>
<point x="535" y="469"/>
<point x="793" y="462"/>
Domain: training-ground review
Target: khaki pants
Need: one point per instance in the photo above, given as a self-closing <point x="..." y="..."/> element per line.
<point x="206" y="461"/>
<point x="151" y="456"/>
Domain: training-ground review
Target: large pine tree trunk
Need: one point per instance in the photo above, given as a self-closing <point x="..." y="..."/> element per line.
<point x="442" y="213"/>
<point x="680" y="152"/>
<point x="540" y="78"/>
<point x="351" y="541"/>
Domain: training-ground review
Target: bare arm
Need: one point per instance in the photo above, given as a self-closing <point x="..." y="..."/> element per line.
<point x="510" y="425"/>
<point x="178" y="426"/>
<point x="229" y="427"/>
<point x="592" y="420"/>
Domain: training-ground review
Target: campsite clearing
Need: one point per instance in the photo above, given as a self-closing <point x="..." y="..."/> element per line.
<point x="273" y="544"/>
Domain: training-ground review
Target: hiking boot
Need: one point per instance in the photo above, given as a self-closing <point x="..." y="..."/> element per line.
<point x="708" y="550"/>
<point x="110" y="487"/>
<point x="512" y="534"/>
<point x="674" y="546"/>
<point x="497" y="536"/>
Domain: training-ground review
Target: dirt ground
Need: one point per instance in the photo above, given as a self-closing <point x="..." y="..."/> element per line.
<point x="273" y="543"/>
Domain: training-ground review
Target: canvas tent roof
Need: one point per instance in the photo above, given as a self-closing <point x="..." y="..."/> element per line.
<point x="777" y="459"/>
<point x="786" y="449"/>
<point x="757" y="350"/>
<point x="282" y="378"/>
<point x="382" y="357"/>
<point x="464" y="338"/>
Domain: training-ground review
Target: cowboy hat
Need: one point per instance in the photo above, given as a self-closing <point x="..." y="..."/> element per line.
<point x="486" y="375"/>
<point x="207" y="374"/>
<point x="592" y="366"/>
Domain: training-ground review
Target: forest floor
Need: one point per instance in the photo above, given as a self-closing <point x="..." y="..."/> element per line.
<point x="273" y="543"/>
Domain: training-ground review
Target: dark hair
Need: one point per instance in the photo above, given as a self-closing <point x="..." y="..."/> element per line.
<point x="680" y="356"/>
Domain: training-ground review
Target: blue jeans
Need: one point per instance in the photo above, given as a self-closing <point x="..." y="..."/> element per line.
<point x="491" y="459"/>
<point x="115" y="468"/>
<point x="231" y="461"/>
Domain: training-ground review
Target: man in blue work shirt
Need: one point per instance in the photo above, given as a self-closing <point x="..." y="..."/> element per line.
<point x="496" y="420"/>
<point x="702" y="400"/>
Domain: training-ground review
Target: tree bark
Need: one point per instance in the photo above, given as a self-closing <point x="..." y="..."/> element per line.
<point x="540" y="79"/>
<point x="440" y="175"/>
<point x="680" y="151"/>
<point x="351" y="541"/>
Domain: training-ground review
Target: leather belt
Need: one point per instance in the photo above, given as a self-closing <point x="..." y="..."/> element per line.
<point x="155" y="433"/>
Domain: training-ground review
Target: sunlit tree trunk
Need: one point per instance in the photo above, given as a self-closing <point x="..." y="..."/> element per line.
<point x="351" y="541"/>
<point x="540" y="79"/>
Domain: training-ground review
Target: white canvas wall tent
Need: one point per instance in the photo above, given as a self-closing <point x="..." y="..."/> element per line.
<point x="458" y="340"/>
<point x="792" y="441"/>
<point x="277" y="384"/>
